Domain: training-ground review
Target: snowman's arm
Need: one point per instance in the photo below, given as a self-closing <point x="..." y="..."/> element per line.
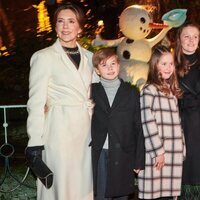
<point x="153" y="41"/>
<point x="98" y="41"/>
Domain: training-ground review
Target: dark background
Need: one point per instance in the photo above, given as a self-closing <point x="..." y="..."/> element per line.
<point x="19" y="34"/>
<point x="20" y="38"/>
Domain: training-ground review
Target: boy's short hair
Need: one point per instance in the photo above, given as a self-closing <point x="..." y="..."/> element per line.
<point x="103" y="54"/>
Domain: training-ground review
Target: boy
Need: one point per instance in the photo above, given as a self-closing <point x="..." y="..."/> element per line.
<point x="117" y="137"/>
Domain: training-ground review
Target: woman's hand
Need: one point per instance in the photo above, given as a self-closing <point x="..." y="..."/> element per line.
<point x="160" y="162"/>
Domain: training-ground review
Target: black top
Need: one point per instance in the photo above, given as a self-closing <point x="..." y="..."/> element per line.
<point x="190" y="118"/>
<point x="74" y="55"/>
<point x="192" y="79"/>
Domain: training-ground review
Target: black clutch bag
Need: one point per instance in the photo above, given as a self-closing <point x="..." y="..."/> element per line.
<point x="38" y="167"/>
<point x="41" y="171"/>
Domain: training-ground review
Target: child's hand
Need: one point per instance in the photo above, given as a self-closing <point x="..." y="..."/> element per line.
<point x="160" y="162"/>
<point x="136" y="171"/>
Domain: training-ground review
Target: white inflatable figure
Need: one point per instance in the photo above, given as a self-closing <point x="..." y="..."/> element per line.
<point x="134" y="50"/>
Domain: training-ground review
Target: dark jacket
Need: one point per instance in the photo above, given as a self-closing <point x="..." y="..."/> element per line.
<point x="122" y="122"/>
<point x="190" y="118"/>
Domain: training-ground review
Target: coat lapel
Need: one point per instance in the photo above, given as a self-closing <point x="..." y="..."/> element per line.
<point x="84" y="71"/>
<point x="119" y="95"/>
<point x="102" y="98"/>
<point x="82" y="81"/>
<point x="188" y="88"/>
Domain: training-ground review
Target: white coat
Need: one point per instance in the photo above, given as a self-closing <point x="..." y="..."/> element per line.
<point x="163" y="134"/>
<point x="65" y="129"/>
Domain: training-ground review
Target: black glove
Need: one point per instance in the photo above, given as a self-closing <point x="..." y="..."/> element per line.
<point x="33" y="153"/>
<point x="40" y="169"/>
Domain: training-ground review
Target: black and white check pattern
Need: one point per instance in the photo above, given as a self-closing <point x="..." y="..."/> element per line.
<point x="163" y="134"/>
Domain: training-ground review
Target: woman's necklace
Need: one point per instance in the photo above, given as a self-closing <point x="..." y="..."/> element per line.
<point x="74" y="55"/>
<point x="193" y="63"/>
<point x="71" y="51"/>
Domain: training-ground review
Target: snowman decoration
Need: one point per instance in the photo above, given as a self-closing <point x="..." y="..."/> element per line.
<point x="134" y="50"/>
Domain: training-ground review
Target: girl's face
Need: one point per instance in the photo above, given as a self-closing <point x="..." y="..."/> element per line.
<point x="166" y="65"/>
<point x="109" y="69"/>
<point x="189" y="38"/>
<point x="67" y="28"/>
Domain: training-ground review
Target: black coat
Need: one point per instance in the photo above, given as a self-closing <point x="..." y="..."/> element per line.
<point x="190" y="118"/>
<point x="122" y="122"/>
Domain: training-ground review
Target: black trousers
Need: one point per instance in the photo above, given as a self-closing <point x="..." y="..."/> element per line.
<point x="101" y="178"/>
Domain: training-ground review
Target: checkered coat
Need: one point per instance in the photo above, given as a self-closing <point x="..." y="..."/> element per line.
<point x="163" y="134"/>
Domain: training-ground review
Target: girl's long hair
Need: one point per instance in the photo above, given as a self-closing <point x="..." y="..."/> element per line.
<point x="169" y="86"/>
<point x="182" y="64"/>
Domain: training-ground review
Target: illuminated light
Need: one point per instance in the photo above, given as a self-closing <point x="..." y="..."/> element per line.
<point x="28" y="29"/>
<point x="150" y="8"/>
<point x="100" y="26"/>
<point x="3" y="48"/>
<point x="88" y="12"/>
<point x="100" y="23"/>
<point x="43" y="18"/>
<point x="5" y="29"/>
<point x="137" y="6"/>
<point x="3" y="51"/>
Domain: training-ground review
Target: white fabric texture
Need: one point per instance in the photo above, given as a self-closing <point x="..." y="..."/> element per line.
<point x="65" y="129"/>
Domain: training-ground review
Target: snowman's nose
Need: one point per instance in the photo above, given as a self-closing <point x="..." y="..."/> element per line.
<point x="157" y="26"/>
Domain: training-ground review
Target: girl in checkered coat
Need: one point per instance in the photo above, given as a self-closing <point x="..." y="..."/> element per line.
<point x="164" y="141"/>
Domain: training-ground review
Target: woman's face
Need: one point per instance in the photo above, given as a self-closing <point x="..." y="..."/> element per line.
<point x="166" y="65"/>
<point x="189" y="38"/>
<point x="67" y="28"/>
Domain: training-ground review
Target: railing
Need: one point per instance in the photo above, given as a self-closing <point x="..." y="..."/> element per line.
<point x="7" y="152"/>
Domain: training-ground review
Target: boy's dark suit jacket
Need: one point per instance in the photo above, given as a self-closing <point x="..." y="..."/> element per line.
<point x="122" y="122"/>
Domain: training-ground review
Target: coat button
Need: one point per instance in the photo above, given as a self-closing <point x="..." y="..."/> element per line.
<point x="116" y="163"/>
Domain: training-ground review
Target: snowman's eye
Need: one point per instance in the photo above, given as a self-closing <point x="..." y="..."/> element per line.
<point x="143" y="20"/>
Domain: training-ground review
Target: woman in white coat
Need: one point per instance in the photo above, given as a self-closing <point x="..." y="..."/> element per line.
<point x="60" y="79"/>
